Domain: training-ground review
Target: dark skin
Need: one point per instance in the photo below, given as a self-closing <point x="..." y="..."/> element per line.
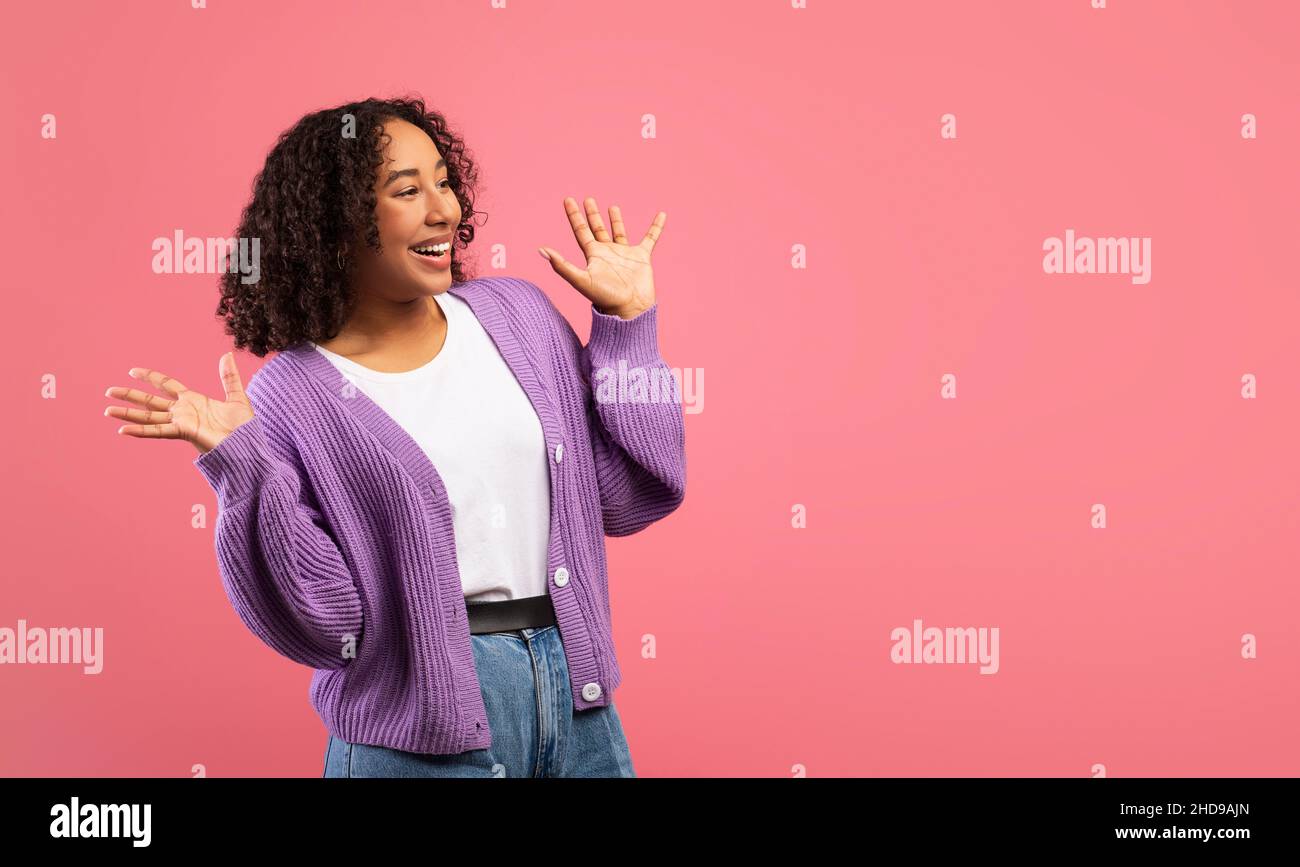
<point x="396" y="325"/>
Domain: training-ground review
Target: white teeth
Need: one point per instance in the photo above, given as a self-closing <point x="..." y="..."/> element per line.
<point x="436" y="248"/>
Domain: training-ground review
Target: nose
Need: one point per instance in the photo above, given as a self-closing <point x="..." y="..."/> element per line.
<point x="437" y="219"/>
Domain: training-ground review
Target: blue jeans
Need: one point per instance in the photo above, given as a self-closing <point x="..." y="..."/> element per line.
<point x="535" y="730"/>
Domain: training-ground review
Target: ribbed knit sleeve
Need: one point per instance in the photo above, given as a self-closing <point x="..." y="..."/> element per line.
<point x="281" y="570"/>
<point x="639" y="445"/>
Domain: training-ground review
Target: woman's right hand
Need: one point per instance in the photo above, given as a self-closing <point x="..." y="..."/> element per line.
<point x="187" y="415"/>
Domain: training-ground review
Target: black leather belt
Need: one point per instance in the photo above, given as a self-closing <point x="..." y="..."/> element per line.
<point x="508" y="615"/>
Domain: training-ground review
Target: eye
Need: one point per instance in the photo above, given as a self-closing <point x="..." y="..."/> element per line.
<point x="412" y="191"/>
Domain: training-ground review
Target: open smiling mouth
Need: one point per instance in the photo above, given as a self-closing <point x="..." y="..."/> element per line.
<point x="433" y="251"/>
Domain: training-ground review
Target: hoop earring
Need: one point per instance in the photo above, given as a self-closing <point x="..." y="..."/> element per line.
<point x="338" y="255"/>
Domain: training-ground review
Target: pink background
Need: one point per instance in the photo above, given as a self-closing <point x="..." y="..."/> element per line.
<point x="776" y="127"/>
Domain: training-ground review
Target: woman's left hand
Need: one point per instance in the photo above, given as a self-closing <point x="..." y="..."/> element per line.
<point x="618" y="280"/>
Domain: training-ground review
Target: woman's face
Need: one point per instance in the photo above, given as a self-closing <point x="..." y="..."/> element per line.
<point x="415" y="206"/>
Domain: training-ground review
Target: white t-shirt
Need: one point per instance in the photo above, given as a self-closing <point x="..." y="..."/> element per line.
<point x="475" y="422"/>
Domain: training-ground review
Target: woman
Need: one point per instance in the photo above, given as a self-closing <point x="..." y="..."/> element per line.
<point x="414" y="492"/>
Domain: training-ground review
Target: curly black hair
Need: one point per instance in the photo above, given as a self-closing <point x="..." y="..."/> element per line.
<point x="314" y="195"/>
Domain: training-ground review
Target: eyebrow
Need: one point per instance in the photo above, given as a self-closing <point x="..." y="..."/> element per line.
<point x="416" y="172"/>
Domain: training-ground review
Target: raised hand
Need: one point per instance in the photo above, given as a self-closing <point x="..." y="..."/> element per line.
<point x="185" y="415"/>
<point x="618" y="280"/>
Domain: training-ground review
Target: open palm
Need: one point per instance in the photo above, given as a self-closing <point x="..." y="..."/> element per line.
<point x="185" y="414"/>
<point x="618" y="279"/>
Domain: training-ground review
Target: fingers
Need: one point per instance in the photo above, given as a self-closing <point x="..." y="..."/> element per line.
<point x="588" y="226"/>
<point x="153" y="424"/>
<point x="159" y="379"/>
<point x="138" y="415"/>
<point x="593" y="217"/>
<point x="577" y="278"/>
<point x="152" y="431"/>
<point x="578" y="223"/>
<point x="616" y="222"/>
<point x="652" y="234"/>
<point x="230" y="380"/>
<point x="135" y="395"/>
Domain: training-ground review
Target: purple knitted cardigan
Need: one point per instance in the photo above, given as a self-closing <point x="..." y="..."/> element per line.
<point x="335" y="541"/>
